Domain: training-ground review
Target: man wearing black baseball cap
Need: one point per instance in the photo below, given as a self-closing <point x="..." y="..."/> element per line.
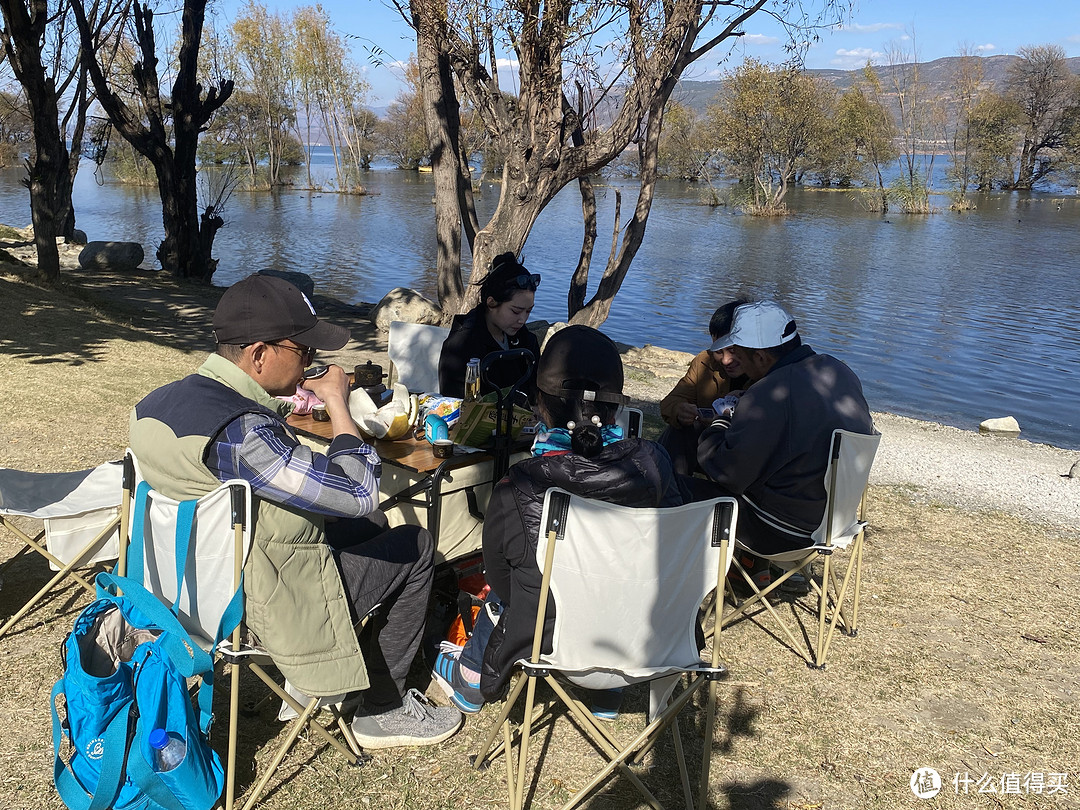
<point x="321" y="553"/>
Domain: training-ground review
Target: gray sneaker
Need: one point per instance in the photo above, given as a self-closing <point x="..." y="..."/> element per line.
<point x="417" y="721"/>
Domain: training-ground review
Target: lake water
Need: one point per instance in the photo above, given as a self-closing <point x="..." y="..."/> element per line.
<point x="953" y="317"/>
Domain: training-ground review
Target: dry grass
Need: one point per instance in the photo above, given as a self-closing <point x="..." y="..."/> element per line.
<point x="965" y="660"/>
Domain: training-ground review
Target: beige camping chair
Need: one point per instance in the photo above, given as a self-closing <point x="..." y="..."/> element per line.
<point x="842" y="528"/>
<point x="80" y="520"/>
<point x="219" y="545"/>
<point x="627" y="584"/>
<point x="414" y="350"/>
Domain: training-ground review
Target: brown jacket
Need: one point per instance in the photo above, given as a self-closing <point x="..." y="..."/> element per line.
<point x="703" y="382"/>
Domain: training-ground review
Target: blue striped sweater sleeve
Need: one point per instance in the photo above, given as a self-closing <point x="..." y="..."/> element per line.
<point x="344" y="482"/>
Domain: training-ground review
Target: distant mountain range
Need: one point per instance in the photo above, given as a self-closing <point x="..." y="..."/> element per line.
<point x="938" y="76"/>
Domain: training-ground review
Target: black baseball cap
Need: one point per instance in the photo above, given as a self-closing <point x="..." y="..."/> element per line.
<point x="580" y="361"/>
<point x="268" y="308"/>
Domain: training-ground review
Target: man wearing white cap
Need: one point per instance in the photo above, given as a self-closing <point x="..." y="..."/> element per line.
<point x="772" y="449"/>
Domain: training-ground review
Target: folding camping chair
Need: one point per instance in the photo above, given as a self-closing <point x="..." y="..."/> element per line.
<point x="414" y="350"/>
<point x="631" y="421"/>
<point x="846" y="478"/>
<point x="628" y="584"/>
<point x="221" y="536"/>
<point x="80" y="515"/>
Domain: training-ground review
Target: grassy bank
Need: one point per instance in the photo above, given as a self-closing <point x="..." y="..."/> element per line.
<point x="965" y="660"/>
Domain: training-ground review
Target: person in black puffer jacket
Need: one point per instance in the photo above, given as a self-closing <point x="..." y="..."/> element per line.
<point x="579" y="382"/>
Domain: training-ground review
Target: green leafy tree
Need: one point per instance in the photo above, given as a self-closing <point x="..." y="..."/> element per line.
<point x="868" y="133"/>
<point x="262" y="65"/>
<point x="684" y="150"/>
<point x="403" y="138"/>
<point x="960" y="131"/>
<point x="332" y="94"/>
<point x="919" y="122"/>
<point x="768" y="123"/>
<point x="995" y="123"/>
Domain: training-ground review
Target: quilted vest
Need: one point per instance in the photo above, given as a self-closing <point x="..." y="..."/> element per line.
<point x="294" y="599"/>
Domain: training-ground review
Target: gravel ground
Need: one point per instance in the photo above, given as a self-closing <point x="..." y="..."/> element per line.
<point x="973" y="471"/>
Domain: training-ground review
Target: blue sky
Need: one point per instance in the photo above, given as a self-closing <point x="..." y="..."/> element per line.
<point x="940" y="27"/>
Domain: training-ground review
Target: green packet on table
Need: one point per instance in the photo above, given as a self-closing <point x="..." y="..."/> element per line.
<point x="477" y="422"/>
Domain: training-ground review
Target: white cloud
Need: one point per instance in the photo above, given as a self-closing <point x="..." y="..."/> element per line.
<point x="989" y="46"/>
<point x="759" y="39"/>
<point x="872" y="28"/>
<point x="850" y="59"/>
<point x="507" y="63"/>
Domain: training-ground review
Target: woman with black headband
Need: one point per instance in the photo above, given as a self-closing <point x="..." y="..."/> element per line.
<point x="497" y="323"/>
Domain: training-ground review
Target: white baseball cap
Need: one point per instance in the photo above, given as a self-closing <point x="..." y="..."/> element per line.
<point x="758" y="325"/>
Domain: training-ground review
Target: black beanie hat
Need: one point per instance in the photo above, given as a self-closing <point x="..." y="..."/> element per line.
<point x="580" y="361"/>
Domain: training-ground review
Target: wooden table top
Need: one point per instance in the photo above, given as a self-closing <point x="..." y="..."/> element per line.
<point x="415" y="454"/>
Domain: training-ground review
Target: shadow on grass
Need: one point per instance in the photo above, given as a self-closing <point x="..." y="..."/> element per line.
<point x="74" y="322"/>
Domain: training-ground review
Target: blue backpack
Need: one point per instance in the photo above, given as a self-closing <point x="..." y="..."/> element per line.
<point x="126" y="662"/>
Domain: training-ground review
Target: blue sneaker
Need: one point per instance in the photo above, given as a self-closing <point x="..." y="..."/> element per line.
<point x="466" y="697"/>
<point x="606" y="703"/>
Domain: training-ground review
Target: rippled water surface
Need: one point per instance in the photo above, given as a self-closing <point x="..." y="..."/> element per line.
<point x="953" y="317"/>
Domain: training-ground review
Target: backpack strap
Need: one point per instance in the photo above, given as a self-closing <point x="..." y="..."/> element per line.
<point x="115" y="741"/>
<point x="230" y="618"/>
<point x="151" y="784"/>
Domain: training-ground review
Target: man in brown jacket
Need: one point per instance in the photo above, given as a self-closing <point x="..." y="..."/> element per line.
<point x="711" y="375"/>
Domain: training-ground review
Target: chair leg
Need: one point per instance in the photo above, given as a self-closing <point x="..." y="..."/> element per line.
<point x="838" y="610"/>
<point x="515" y="690"/>
<point x="315" y="726"/>
<point x="66" y="570"/>
<point x="234" y="727"/>
<point x="706" y="754"/>
<point x="523" y="746"/>
<point x="290" y="738"/>
<point x="680" y="756"/>
<point x="618" y="759"/>
<point x="857" y="554"/>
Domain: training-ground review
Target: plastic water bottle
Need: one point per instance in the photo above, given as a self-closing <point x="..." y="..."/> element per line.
<point x="169" y="749"/>
<point x="472" y="380"/>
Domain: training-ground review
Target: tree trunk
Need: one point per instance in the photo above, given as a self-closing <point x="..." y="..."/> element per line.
<point x="599" y="307"/>
<point x="182" y="250"/>
<point x="48" y="171"/>
<point x="442" y="119"/>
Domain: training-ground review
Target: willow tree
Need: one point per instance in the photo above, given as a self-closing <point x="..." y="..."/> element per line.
<point x="770" y="124"/>
<point x="868" y="133"/>
<point x="589" y="80"/>
<point x="262" y="65"/>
